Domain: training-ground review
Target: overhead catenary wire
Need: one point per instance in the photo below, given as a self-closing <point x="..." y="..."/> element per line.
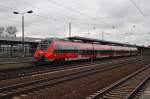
<point x="35" y="23"/>
<point x="56" y="19"/>
<point x="50" y="20"/>
<point x="93" y="24"/>
<point x="139" y="10"/>
<point x="11" y="8"/>
<point x="73" y="10"/>
<point x="66" y="7"/>
<point x="38" y="8"/>
<point x="70" y="9"/>
<point x="46" y="18"/>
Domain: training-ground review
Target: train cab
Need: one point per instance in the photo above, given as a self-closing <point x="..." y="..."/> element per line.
<point x="43" y="50"/>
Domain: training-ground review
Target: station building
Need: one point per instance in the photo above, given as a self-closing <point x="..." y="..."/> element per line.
<point x="12" y="46"/>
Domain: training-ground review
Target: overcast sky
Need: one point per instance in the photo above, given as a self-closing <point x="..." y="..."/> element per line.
<point x="121" y="20"/>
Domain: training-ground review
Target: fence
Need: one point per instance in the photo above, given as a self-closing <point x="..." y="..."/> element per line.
<point x="16" y="51"/>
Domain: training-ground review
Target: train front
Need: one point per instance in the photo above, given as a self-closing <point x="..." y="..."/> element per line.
<point x="44" y="51"/>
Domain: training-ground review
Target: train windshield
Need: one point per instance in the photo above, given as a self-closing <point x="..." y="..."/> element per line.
<point x="44" y="44"/>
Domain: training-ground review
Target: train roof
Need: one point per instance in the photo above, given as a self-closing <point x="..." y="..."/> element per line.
<point x="91" y="40"/>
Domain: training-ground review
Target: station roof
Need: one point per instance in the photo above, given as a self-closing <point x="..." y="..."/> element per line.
<point x="105" y="42"/>
<point x="98" y="41"/>
<point x="18" y="40"/>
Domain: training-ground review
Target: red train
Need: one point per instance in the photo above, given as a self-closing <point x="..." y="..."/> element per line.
<point x="62" y="50"/>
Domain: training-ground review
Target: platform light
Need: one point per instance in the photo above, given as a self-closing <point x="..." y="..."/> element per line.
<point x="23" y="13"/>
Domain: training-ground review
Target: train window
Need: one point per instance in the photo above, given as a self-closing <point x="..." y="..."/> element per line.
<point x="66" y="49"/>
<point x="58" y="48"/>
<point x="43" y="45"/>
<point x="103" y="51"/>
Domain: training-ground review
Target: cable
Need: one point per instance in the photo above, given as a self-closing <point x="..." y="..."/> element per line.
<point x="54" y="18"/>
<point x="68" y="8"/>
<point x="137" y="7"/>
<point x="10" y="8"/>
<point x="140" y="11"/>
<point x="43" y="17"/>
<point x="72" y="10"/>
<point x="46" y="18"/>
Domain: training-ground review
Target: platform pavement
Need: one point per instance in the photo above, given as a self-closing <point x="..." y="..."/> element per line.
<point x="146" y="93"/>
<point x="18" y="59"/>
<point x="16" y="63"/>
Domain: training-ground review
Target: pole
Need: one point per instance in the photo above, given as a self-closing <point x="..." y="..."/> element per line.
<point x="69" y="29"/>
<point x="102" y="35"/>
<point x="22" y="35"/>
<point x="22" y="47"/>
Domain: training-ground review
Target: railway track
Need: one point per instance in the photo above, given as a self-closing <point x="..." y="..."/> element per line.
<point x="127" y="88"/>
<point x="31" y="86"/>
<point x="46" y="69"/>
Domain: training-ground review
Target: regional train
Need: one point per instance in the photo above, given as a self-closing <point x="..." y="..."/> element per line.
<point x="63" y="50"/>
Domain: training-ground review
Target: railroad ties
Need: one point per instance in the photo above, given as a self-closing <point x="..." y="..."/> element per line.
<point x="47" y="79"/>
<point x="81" y="71"/>
<point x="127" y="88"/>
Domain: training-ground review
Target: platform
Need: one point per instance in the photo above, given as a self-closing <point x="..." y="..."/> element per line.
<point x="18" y="59"/>
<point x="15" y="63"/>
<point x="146" y="93"/>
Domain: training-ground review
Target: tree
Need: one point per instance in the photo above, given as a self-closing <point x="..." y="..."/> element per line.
<point x="11" y="30"/>
<point x="1" y="30"/>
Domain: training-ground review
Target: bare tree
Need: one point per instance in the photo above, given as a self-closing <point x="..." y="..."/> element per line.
<point x="11" y="30"/>
<point x="1" y="30"/>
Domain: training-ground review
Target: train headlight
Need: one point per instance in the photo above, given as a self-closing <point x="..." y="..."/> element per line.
<point x="47" y="55"/>
<point x="41" y="52"/>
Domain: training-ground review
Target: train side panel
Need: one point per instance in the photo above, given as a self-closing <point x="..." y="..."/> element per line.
<point x="67" y="50"/>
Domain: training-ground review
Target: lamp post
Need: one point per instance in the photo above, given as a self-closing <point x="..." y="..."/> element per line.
<point x="22" y="14"/>
<point x="69" y="29"/>
<point x="102" y="35"/>
<point x="106" y="33"/>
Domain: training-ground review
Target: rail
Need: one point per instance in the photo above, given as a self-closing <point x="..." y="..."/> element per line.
<point x="16" y="89"/>
<point x="47" y="69"/>
<point x="122" y="88"/>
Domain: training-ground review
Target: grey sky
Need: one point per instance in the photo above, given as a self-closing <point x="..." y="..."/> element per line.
<point x="89" y="18"/>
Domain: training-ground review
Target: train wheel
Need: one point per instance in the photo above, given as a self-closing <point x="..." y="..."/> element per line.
<point x="59" y="61"/>
<point x="41" y="59"/>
